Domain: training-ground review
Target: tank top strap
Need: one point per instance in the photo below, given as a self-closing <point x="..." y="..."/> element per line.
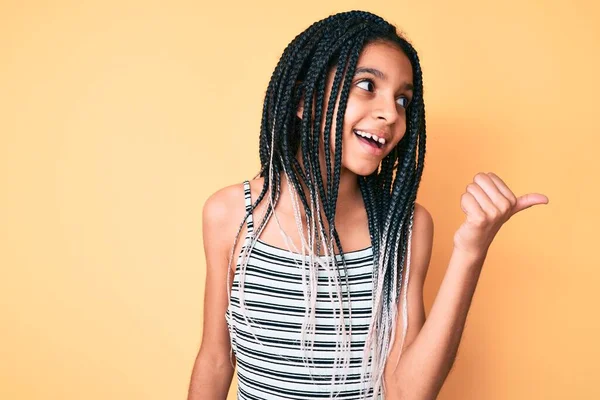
<point x="248" y="199"/>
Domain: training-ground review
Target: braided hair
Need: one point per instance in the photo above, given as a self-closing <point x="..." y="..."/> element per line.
<point x="389" y="192"/>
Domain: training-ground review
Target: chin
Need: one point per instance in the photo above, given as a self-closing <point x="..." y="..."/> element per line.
<point x="362" y="169"/>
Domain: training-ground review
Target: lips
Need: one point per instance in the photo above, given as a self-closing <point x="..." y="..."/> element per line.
<point x="368" y="137"/>
<point x="370" y="146"/>
<point x="369" y="142"/>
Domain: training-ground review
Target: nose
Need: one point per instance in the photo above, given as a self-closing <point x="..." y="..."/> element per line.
<point x="385" y="108"/>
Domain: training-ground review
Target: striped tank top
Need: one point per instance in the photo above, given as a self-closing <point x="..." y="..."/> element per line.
<point x="273" y="367"/>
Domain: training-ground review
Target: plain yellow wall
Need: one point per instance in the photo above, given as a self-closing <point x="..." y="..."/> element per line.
<point x="119" y="119"/>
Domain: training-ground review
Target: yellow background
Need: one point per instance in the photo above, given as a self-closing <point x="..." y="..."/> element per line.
<point x="119" y="119"/>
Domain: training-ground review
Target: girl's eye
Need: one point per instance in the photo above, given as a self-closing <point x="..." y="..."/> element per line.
<point x="403" y="101"/>
<point x="369" y="86"/>
<point x="366" y="85"/>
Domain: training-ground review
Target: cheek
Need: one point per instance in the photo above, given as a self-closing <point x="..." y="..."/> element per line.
<point x="353" y="111"/>
<point x="351" y="117"/>
<point x="400" y="128"/>
<point x="347" y="127"/>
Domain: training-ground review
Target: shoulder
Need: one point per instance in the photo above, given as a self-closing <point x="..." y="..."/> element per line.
<point x="421" y="241"/>
<point x="219" y="205"/>
<point x="222" y="215"/>
<point x="423" y="221"/>
<point x="227" y="206"/>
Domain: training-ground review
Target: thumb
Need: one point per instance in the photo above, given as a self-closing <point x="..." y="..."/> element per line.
<point x="529" y="200"/>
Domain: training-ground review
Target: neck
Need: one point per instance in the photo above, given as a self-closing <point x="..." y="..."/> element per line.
<point x="347" y="197"/>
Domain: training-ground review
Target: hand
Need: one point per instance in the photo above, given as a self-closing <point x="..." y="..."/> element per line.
<point x="488" y="203"/>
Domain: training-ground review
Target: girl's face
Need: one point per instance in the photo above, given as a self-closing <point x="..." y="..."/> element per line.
<point x="375" y="118"/>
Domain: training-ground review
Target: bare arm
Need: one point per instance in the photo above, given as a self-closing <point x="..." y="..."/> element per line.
<point x="426" y="362"/>
<point x="212" y="372"/>
<point x="429" y="354"/>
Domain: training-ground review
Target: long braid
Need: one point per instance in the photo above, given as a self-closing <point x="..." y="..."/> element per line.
<point x="311" y="159"/>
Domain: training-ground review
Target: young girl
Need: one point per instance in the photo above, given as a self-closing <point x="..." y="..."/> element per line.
<point x="324" y="297"/>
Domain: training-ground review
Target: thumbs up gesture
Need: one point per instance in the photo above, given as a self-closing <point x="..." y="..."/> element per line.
<point x="488" y="204"/>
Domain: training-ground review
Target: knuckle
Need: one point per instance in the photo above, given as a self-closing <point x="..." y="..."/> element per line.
<point x="494" y="214"/>
<point x="505" y="206"/>
<point x="479" y="220"/>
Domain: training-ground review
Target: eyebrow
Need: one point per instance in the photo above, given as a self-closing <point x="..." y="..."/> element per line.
<point x="380" y="75"/>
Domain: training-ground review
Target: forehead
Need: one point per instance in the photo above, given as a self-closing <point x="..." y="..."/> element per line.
<point x="389" y="59"/>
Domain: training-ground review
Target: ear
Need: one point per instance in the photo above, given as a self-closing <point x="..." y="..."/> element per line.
<point x="300" y="109"/>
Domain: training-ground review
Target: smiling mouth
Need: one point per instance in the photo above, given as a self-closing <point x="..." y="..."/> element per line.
<point x="370" y="141"/>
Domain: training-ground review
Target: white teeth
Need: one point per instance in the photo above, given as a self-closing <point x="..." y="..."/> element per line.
<point x="370" y="135"/>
